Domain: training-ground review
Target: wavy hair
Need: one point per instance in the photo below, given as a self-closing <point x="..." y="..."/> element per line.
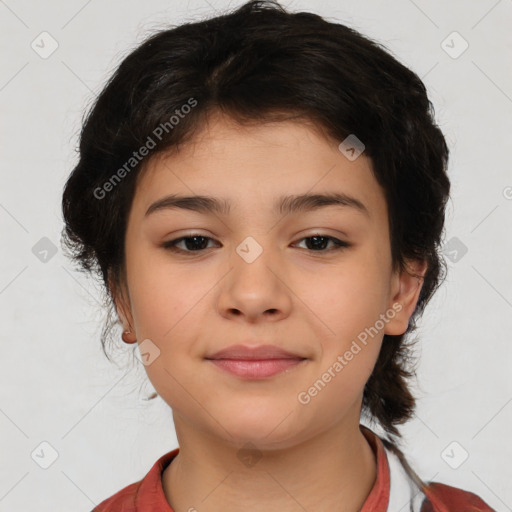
<point x="262" y="63"/>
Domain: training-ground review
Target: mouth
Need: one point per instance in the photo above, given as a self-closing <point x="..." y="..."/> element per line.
<point x="259" y="362"/>
<point x="256" y="368"/>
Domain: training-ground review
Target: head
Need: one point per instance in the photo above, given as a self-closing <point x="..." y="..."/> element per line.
<point x="247" y="108"/>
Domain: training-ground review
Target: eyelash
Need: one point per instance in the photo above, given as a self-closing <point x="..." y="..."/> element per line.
<point x="171" y="244"/>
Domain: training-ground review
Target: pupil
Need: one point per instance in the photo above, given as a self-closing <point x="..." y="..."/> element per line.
<point x="315" y="239"/>
<point x="192" y="246"/>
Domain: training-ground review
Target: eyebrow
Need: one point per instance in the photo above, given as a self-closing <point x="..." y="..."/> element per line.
<point x="284" y="204"/>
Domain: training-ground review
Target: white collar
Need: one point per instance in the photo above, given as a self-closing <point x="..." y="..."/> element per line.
<point x="404" y="494"/>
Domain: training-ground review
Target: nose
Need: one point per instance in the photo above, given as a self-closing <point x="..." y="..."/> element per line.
<point x="255" y="289"/>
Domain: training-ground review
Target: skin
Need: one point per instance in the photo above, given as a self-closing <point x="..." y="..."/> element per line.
<point x="311" y="302"/>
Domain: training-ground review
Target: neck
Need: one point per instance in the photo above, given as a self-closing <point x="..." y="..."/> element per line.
<point x="335" y="470"/>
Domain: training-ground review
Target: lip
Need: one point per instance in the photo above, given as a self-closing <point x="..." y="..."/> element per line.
<point x="260" y="352"/>
<point x="258" y="362"/>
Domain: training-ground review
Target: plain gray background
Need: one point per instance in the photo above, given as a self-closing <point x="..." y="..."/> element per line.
<point x="57" y="388"/>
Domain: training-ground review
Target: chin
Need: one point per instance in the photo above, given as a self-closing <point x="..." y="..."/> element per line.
<point x="270" y="429"/>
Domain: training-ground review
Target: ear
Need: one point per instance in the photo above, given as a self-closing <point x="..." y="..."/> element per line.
<point x="123" y="308"/>
<point x="405" y="291"/>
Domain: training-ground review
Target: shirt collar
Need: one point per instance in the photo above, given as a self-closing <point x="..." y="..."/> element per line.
<point x="378" y="499"/>
<point x="150" y="495"/>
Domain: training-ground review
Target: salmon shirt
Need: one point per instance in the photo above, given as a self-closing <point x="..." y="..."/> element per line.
<point x="392" y="491"/>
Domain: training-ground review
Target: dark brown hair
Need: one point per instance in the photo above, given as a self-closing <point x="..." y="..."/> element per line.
<point x="262" y="63"/>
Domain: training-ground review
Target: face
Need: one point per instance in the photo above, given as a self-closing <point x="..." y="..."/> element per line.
<point x="312" y="278"/>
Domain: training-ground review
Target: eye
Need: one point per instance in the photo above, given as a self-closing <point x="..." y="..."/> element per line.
<point x="193" y="243"/>
<point x="318" y="243"/>
<point x="198" y="243"/>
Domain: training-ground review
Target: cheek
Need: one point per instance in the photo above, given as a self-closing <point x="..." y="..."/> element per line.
<point x="163" y="295"/>
<point x="167" y="304"/>
<point x="345" y="299"/>
<point x="328" y="397"/>
<point x="346" y="305"/>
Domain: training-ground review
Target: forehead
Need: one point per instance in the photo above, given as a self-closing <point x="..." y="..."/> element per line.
<point x="255" y="165"/>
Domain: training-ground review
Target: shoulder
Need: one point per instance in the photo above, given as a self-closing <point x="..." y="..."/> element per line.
<point x="444" y="498"/>
<point x="145" y="495"/>
<point x="122" y="501"/>
<point x="406" y="486"/>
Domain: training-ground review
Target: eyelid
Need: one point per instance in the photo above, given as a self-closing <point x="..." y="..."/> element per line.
<point x="170" y="244"/>
<point x="338" y="244"/>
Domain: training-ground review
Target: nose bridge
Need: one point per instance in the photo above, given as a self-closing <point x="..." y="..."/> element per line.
<point x="254" y="286"/>
<point x="253" y="263"/>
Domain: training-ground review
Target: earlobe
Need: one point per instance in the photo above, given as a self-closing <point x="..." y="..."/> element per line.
<point x="126" y="320"/>
<point x="129" y="337"/>
<point x="407" y="284"/>
<point x="123" y="312"/>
